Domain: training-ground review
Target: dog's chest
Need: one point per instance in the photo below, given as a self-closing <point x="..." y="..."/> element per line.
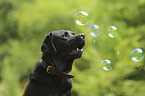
<point x="49" y="84"/>
<point x="58" y="86"/>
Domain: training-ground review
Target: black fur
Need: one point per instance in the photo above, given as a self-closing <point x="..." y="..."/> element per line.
<point x="59" y="48"/>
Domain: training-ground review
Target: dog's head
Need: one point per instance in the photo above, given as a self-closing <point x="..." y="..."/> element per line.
<point x="64" y="43"/>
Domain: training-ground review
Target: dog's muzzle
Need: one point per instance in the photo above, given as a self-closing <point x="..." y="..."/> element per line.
<point x="77" y="51"/>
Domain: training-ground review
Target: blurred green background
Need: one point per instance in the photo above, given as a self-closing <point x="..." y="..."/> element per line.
<point x="24" y="24"/>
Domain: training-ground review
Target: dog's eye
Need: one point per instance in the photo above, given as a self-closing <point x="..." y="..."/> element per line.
<point x="66" y="34"/>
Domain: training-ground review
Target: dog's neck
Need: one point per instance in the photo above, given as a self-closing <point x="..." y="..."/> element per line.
<point x="63" y="64"/>
<point x="59" y="62"/>
<point x="51" y="70"/>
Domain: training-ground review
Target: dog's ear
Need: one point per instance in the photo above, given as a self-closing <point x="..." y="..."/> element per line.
<point x="48" y="45"/>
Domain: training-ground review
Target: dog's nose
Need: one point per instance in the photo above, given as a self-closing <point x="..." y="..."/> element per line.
<point x="82" y="36"/>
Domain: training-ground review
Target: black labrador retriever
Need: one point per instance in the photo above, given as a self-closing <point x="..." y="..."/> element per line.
<point x="50" y="76"/>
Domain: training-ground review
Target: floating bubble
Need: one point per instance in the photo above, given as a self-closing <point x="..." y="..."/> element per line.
<point x="81" y="18"/>
<point x="94" y="30"/>
<point x="137" y="54"/>
<point x="106" y="65"/>
<point x="112" y="31"/>
<point x="118" y="52"/>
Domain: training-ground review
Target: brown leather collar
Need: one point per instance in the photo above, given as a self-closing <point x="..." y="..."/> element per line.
<point x="51" y="70"/>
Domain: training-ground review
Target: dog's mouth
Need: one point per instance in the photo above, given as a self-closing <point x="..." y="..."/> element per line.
<point x="77" y="51"/>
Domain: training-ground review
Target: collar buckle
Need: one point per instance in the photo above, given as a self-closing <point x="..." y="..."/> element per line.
<point x="48" y="68"/>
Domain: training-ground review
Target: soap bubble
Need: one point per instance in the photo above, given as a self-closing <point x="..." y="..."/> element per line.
<point x="81" y="17"/>
<point x="94" y="30"/>
<point x="137" y="54"/>
<point x="112" y="31"/>
<point x="106" y="65"/>
<point x="118" y="52"/>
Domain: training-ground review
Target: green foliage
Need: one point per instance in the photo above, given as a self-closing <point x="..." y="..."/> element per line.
<point x="24" y="23"/>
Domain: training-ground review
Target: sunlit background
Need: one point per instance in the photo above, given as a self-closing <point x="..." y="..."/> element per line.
<point x="113" y="63"/>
